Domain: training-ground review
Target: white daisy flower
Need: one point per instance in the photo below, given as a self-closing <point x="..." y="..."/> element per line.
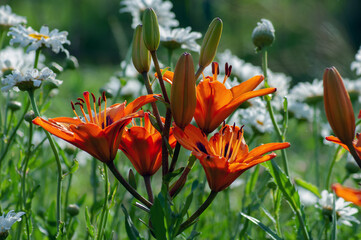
<point x="29" y="79"/>
<point x="8" y="19"/>
<point x="300" y="110"/>
<point x="180" y="38"/>
<point x="255" y="117"/>
<point x="307" y="198"/>
<point x="33" y="40"/>
<point x="166" y="18"/>
<point x="356" y="65"/>
<point x="343" y="210"/>
<point x="15" y="58"/>
<point x="9" y="220"/>
<point x="309" y="92"/>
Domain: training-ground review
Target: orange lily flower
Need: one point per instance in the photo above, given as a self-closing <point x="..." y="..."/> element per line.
<point x="215" y="102"/>
<point x="98" y="133"/>
<point x="225" y="156"/>
<point x="356" y="143"/>
<point x="349" y="194"/>
<point x="142" y="145"/>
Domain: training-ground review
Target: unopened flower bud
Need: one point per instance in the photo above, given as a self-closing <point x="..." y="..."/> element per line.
<point x="140" y="54"/>
<point x="183" y="94"/>
<point x="263" y="35"/>
<point x="14" y="106"/>
<point x="29" y="116"/>
<point x="351" y="166"/>
<point x="56" y="68"/>
<point x="150" y="30"/>
<point x="338" y="106"/>
<point x="72" y="63"/>
<point x="73" y="210"/>
<point x="210" y="42"/>
<point x="131" y="179"/>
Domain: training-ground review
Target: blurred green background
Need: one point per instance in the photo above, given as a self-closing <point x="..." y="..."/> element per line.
<point x="310" y="35"/>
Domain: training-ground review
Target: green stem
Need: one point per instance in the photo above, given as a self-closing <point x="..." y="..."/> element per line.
<point x="148" y="186"/>
<point x="57" y="159"/>
<point x="10" y="121"/>
<point x="354" y="154"/>
<point x="199" y="72"/>
<point x="178" y="185"/>
<point x="175" y="157"/>
<point x="105" y="205"/>
<point x="335" y="156"/>
<point x="66" y="201"/>
<point x="94" y="183"/>
<point x="315" y="137"/>
<point x="127" y="186"/>
<point x="154" y="105"/>
<point x="6" y="113"/>
<point x="23" y="180"/>
<point x="281" y="137"/>
<point x="160" y="77"/>
<point x="2" y="38"/>
<point x="37" y="54"/>
<point x="197" y="213"/>
<point x="13" y="134"/>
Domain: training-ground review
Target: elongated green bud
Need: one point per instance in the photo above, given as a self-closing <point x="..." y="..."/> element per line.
<point x="183" y="99"/>
<point x="210" y="42"/>
<point x="140" y="54"/>
<point x="151" y="34"/>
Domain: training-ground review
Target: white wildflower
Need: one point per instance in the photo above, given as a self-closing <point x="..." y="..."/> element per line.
<point x="33" y="40"/>
<point x="15" y="58"/>
<point x="356" y="65"/>
<point x="180" y="38"/>
<point x="9" y="220"/>
<point x="8" y="19"/>
<point x="166" y="18"/>
<point x="255" y="117"/>
<point x="29" y="79"/>
<point x="309" y="92"/>
<point x="307" y="198"/>
<point x="343" y="210"/>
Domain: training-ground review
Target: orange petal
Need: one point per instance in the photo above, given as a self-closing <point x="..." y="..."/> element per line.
<point x="139" y="102"/>
<point x="265" y="148"/>
<point x="248" y="163"/>
<point x="247" y="86"/>
<point x="55" y="129"/>
<point x="349" y="194"/>
<point x="337" y="141"/>
<point x="167" y="76"/>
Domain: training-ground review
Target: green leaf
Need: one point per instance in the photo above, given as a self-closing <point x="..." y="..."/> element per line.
<point x="252" y="182"/>
<point x="270" y="233"/>
<point x="284" y="184"/>
<point x="132" y="232"/>
<point x="183" y="212"/>
<point x="157" y="219"/>
<point x="73" y="168"/>
<point x="89" y="226"/>
<point x="309" y="186"/>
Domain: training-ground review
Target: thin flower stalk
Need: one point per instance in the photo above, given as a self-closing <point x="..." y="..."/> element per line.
<point x="280" y="136"/>
<point x="103" y="222"/>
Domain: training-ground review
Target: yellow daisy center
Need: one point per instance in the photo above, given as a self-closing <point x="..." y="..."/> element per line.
<point x="38" y="36"/>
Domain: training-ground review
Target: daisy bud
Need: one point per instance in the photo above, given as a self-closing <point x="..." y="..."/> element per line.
<point x="210" y="42"/>
<point x="140" y="54"/>
<point x="183" y="93"/>
<point x="73" y="210"/>
<point x="56" y="68"/>
<point x="29" y="116"/>
<point x="338" y="106"/>
<point x="14" y="106"/>
<point x="263" y="35"/>
<point x="150" y="30"/>
<point x="71" y="63"/>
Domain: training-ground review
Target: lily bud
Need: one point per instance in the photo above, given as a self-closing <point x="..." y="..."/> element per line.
<point x="263" y="35"/>
<point x="151" y="34"/>
<point x="140" y="54"/>
<point x="210" y="42"/>
<point x="183" y="94"/>
<point x="338" y="106"/>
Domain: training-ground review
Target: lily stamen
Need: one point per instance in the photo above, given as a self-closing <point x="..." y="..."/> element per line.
<point x="87" y="102"/>
<point x="105" y="109"/>
<point x="100" y="110"/>
<point x="73" y="107"/>
<point x="95" y="109"/>
<point x="82" y="110"/>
